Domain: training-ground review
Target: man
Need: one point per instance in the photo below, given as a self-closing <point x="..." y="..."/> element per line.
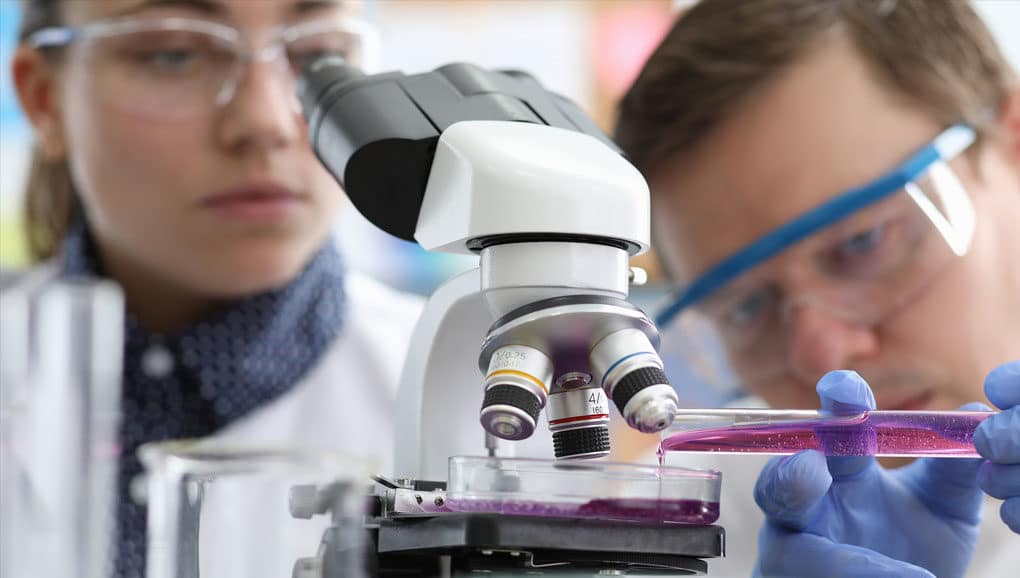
<point x="836" y="185"/>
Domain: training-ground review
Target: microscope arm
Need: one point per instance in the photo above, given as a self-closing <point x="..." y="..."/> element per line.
<point x="433" y="417"/>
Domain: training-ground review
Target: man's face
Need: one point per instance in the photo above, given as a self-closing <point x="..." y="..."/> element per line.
<point x="825" y="126"/>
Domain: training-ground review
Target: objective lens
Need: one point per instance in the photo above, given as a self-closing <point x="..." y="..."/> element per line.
<point x="579" y="422"/>
<point x="630" y="371"/>
<point x="516" y="389"/>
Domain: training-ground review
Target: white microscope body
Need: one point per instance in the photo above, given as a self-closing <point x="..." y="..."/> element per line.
<point x="494" y="179"/>
<point x="466" y="160"/>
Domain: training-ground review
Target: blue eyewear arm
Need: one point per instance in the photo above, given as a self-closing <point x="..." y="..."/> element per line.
<point x="946" y="146"/>
<point x="55" y="36"/>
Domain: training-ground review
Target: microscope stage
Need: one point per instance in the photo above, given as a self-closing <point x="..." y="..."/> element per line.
<point x="486" y="542"/>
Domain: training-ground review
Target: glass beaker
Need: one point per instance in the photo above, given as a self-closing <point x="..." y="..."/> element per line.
<point x="224" y="511"/>
<point x="61" y="349"/>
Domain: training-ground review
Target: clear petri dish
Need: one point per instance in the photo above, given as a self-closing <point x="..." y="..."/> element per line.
<point x="597" y="490"/>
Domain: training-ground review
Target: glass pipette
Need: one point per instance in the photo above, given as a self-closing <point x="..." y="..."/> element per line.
<point x="778" y="432"/>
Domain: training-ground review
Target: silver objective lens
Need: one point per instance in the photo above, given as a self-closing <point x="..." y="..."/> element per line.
<point x="630" y="371"/>
<point x="579" y="422"/>
<point x="516" y="387"/>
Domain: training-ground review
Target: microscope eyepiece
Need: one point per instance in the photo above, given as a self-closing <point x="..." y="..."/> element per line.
<point x="631" y="373"/>
<point x="319" y="77"/>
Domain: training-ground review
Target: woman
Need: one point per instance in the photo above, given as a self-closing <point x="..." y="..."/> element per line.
<point x="172" y="159"/>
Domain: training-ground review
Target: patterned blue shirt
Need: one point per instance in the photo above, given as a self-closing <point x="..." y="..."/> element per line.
<point x="194" y="382"/>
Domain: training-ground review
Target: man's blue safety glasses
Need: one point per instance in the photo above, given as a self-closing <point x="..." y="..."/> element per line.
<point x="943" y="148"/>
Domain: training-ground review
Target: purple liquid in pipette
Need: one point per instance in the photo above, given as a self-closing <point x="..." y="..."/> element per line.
<point x="888" y="433"/>
<point x="643" y="510"/>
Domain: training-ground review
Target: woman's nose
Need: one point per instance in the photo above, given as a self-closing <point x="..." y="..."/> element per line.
<point x="263" y="111"/>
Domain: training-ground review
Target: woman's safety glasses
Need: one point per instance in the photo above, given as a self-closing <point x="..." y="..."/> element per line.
<point x="859" y="257"/>
<point x="181" y="68"/>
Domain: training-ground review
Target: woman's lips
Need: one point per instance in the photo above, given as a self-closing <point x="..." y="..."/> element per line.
<point x="255" y="203"/>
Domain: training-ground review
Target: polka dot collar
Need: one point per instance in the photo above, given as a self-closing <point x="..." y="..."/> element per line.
<point x="193" y="382"/>
<point x="249" y="351"/>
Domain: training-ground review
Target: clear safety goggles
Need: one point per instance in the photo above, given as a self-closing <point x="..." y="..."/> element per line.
<point x="859" y="257"/>
<point x="180" y="68"/>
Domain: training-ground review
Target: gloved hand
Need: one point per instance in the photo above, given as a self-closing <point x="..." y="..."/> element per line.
<point x="849" y="517"/>
<point x="998" y="440"/>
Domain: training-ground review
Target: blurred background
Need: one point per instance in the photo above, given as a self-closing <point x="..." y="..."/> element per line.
<point x="588" y="50"/>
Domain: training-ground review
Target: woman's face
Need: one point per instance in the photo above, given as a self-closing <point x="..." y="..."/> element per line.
<point x="222" y="201"/>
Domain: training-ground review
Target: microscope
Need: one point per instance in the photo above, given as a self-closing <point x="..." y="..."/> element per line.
<point x="468" y="160"/>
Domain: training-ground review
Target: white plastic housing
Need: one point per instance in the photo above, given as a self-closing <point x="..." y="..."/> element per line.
<point x="497" y="178"/>
<point x="494" y="178"/>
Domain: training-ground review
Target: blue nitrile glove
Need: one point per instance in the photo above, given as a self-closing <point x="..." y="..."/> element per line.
<point x="998" y="440"/>
<point x="849" y="517"/>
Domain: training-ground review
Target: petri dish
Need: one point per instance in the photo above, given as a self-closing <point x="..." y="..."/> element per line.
<point x="637" y="493"/>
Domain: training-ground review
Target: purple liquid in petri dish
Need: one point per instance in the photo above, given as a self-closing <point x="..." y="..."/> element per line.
<point x="650" y="510"/>
<point x="883" y="433"/>
<point x="642" y="510"/>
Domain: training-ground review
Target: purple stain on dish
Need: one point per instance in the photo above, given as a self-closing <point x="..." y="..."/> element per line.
<point x="891" y="433"/>
<point x="650" y="510"/>
<point x="643" y="510"/>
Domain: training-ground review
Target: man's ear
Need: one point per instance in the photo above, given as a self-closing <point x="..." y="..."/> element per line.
<point x="35" y="80"/>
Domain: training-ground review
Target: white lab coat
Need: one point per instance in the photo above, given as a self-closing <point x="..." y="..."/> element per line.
<point x="344" y="404"/>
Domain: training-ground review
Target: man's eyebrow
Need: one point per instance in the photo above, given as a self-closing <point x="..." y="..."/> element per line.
<point x="207" y="7"/>
<point x="304" y="6"/>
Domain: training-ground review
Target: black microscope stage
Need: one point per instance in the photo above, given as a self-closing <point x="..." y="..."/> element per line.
<point x="510" y="545"/>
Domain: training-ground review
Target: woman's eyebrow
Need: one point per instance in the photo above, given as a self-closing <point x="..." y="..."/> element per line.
<point x="215" y="8"/>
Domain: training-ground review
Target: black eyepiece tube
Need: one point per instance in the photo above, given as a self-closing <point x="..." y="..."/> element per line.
<point x="319" y="76"/>
<point x="373" y="139"/>
<point x="377" y="133"/>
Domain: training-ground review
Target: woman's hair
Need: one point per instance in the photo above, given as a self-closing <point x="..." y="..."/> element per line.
<point x="938" y="54"/>
<point x="51" y="203"/>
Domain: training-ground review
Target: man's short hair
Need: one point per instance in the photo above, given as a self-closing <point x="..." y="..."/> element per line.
<point x="936" y="53"/>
